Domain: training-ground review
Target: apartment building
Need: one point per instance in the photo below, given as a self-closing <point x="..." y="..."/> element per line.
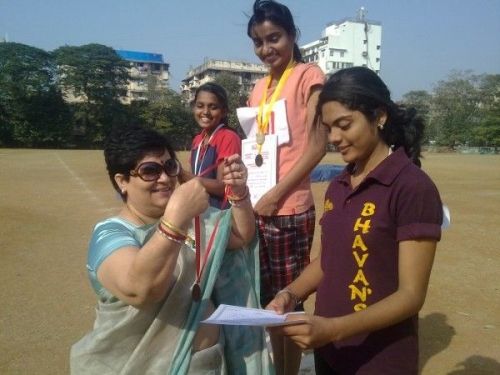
<point x="349" y="42"/>
<point x="144" y="66"/>
<point x="246" y="74"/>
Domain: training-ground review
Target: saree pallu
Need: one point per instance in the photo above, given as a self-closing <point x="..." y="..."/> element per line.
<point x="158" y="339"/>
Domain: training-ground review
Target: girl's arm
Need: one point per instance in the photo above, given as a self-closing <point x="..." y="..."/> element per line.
<point x="314" y="152"/>
<point x="141" y="276"/>
<point x="415" y="264"/>
<point x="299" y="289"/>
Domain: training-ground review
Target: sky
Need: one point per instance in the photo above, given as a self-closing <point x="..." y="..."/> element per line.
<point x="423" y="41"/>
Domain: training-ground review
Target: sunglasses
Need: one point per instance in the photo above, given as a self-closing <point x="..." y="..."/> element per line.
<point x="151" y="171"/>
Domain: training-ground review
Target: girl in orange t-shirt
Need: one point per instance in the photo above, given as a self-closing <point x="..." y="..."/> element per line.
<point x="286" y="214"/>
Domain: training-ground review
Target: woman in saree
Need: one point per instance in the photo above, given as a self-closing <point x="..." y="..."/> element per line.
<point x="160" y="266"/>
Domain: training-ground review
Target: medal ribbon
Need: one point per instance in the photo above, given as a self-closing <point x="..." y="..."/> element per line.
<point x="198" y="158"/>
<point x="197" y="233"/>
<point x="264" y="116"/>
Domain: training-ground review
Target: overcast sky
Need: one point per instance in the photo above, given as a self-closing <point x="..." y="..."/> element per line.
<point x="423" y="41"/>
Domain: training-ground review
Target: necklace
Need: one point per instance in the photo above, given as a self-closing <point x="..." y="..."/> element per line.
<point x="264" y="114"/>
<point x="136" y="216"/>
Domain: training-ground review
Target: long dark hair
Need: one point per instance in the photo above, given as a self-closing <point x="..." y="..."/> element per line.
<point x="278" y="14"/>
<point x="361" y="89"/>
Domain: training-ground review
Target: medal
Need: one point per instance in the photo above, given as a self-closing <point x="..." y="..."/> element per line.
<point x="264" y="113"/>
<point x="196" y="292"/>
<point x="259" y="160"/>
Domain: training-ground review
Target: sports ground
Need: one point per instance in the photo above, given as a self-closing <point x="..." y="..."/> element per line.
<point x="50" y="199"/>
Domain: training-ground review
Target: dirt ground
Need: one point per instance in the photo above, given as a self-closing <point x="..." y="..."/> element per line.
<point x="50" y="200"/>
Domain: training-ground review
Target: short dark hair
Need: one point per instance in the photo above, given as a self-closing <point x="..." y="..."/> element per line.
<point x="361" y="89"/>
<point x="278" y="14"/>
<point x="126" y="146"/>
<point x="219" y="92"/>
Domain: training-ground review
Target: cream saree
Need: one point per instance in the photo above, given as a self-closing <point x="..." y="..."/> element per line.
<point x="158" y="340"/>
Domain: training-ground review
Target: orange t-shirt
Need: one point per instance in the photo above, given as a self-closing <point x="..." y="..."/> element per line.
<point x="296" y="92"/>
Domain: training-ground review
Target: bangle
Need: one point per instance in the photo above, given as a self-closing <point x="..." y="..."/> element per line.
<point x="295" y="298"/>
<point x="235" y="198"/>
<point x="237" y="203"/>
<point x="168" y="237"/>
<point x="180" y="236"/>
<point x="173" y="228"/>
<point x="164" y="230"/>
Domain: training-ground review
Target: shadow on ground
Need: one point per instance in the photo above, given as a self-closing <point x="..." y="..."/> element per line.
<point x="477" y="365"/>
<point x="435" y="336"/>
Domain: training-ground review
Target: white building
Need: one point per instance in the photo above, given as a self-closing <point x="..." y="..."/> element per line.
<point x="144" y="66"/>
<point x="346" y="43"/>
<point x="246" y="74"/>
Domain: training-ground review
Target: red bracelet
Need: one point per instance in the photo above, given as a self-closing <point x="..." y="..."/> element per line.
<point x="174" y="236"/>
<point x="235" y="198"/>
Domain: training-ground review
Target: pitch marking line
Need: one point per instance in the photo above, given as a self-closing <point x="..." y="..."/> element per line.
<point x="90" y="194"/>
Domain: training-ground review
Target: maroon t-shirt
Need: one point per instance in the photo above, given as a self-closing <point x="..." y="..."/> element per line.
<point x="224" y="143"/>
<point x="361" y="229"/>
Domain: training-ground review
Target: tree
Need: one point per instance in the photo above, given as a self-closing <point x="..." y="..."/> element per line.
<point x="455" y="109"/>
<point x="165" y="111"/>
<point x="487" y="132"/>
<point x="94" y="77"/>
<point x="32" y="111"/>
<point x="236" y="98"/>
<point x="421" y="100"/>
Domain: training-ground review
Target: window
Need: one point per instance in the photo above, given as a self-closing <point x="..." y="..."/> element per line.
<point x="331" y="51"/>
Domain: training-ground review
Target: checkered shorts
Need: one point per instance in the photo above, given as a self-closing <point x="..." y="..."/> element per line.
<point x="285" y="245"/>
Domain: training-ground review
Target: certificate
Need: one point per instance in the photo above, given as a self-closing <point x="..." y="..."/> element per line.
<point x="260" y="179"/>
<point x="278" y="123"/>
<point x="247" y="316"/>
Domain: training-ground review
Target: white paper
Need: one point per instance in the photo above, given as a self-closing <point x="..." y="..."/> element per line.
<point x="278" y="122"/>
<point x="260" y="179"/>
<point x="246" y="316"/>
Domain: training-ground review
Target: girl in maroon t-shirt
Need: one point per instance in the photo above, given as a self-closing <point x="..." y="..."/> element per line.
<point x="380" y="227"/>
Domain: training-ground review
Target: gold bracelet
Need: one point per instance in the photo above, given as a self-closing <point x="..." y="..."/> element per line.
<point x="187" y="238"/>
<point x="173" y="228"/>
